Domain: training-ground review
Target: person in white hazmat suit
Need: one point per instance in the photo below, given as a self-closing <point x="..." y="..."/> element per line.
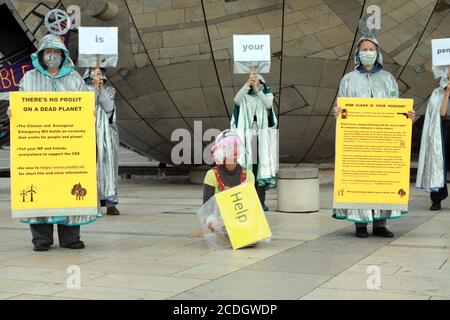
<point x="54" y="71"/>
<point x="368" y="80"/>
<point x="107" y="138"/>
<point x="434" y="146"/>
<point x="255" y="121"/>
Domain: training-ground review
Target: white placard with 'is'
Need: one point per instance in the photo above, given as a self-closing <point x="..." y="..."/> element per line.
<point x="98" y="43"/>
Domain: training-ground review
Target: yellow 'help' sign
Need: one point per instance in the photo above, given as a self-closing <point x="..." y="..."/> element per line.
<point x="243" y="215"/>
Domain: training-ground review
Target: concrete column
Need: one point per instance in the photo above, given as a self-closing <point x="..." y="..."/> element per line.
<point x="298" y="190"/>
<point x="103" y="10"/>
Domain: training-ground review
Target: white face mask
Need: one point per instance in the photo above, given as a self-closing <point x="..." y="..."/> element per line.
<point x="52" y="60"/>
<point x="368" y="58"/>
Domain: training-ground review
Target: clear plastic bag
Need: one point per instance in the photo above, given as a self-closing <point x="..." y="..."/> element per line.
<point x="213" y="228"/>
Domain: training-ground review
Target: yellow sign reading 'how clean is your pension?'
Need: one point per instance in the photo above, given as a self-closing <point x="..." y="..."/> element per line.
<point x="53" y="154"/>
<point x="243" y="215"/>
<point x="373" y="149"/>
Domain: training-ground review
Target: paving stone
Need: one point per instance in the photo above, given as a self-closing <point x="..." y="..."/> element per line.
<point x="254" y="285"/>
<point x="320" y="23"/>
<point x="39" y="274"/>
<point x="405" y="31"/>
<point x="6" y="295"/>
<point x="145" y="20"/>
<point x="235" y="7"/>
<point x="392" y="284"/>
<point x="405" y="12"/>
<point x="339" y="294"/>
<point x="256" y="4"/>
<point x="303" y="46"/>
<point x="179" y="4"/>
<point x="37" y="297"/>
<point x="294" y="17"/>
<point x="245" y="25"/>
<point x="343" y="49"/>
<point x="136" y="267"/>
<point x="302" y="261"/>
<point x="424" y="3"/>
<point x="213" y="33"/>
<point x="270" y="19"/>
<point x="30" y="287"/>
<point x="292" y="32"/>
<point x="388" y="42"/>
<point x="335" y="36"/>
<point x="214" y="10"/>
<point x="168" y="17"/>
<point x="327" y="54"/>
<point x="179" y="51"/>
<point x="193" y="14"/>
<point x="298" y="5"/>
<point x="136" y="6"/>
<point x="48" y="260"/>
<point x="316" y="11"/>
<point x="157" y="5"/>
<point x="145" y="282"/>
<point x="141" y="60"/>
<point x="206" y="271"/>
<point x="184" y="37"/>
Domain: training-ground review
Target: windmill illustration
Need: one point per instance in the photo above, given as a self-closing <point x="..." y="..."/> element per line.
<point x="31" y="191"/>
<point x="23" y="194"/>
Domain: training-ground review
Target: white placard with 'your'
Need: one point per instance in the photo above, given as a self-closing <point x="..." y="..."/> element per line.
<point x="251" y="53"/>
<point x="251" y="47"/>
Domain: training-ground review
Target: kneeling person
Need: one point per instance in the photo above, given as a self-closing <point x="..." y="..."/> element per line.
<point x="227" y="174"/>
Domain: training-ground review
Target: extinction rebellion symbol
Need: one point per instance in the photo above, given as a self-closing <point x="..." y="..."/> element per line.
<point x="57" y="22"/>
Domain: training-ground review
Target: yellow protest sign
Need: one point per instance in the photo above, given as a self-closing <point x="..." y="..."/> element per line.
<point x="53" y="154"/>
<point x="243" y="215"/>
<point x="373" y="149"/>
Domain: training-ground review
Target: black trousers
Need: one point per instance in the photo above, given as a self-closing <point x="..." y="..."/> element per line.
<point x="440" y="195"/>
<point x="260" y="190"/>
<point x="376" y="224"/>
<point x="43" y="234"/>
<point x="443" y="192"/>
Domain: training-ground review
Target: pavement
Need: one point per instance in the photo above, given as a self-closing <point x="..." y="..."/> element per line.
<point x="146" y="253"/>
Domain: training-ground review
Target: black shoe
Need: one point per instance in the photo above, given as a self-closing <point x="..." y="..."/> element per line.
<point x="75" y="245"/>
<point x="112" y="211"/>
<point x="361" y="232"/>
<point x="436" y="206"/>
<point x="41" y="248"/>
<point x="383" y="232"/>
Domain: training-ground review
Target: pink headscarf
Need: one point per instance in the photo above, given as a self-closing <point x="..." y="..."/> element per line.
<point x="225" y="146"/>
